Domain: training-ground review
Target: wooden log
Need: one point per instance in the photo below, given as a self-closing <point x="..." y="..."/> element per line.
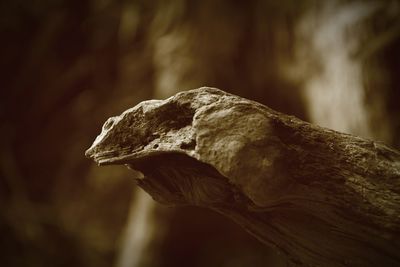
<point x="321" y="197"/>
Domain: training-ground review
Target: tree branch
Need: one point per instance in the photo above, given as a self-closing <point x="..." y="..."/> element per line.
<point x="322" y="197"/>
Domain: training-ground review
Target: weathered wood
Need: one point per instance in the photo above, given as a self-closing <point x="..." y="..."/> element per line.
<point x="321" y="197"/>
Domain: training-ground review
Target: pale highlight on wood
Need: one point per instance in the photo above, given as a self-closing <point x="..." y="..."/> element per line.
<point x="321" y="197"/>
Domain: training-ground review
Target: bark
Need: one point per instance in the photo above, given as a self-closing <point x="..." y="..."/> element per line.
<point x="321" y="197"/>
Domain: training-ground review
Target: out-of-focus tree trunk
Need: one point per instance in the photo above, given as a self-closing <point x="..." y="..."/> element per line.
<point x="171" y="60"/>
<point x="339" y="92"/>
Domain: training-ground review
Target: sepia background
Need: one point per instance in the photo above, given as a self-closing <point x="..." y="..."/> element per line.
<point x="66" y="66"/>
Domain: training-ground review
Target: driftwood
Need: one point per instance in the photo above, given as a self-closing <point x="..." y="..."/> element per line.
<point x="321" y="197"/>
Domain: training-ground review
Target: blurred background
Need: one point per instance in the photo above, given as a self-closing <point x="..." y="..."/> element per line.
<point x="66" y="66"/>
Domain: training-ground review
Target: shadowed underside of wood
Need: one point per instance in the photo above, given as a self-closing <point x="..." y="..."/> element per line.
<point x="321" y="197"/>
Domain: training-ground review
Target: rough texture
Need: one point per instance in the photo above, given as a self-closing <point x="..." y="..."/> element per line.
<point x="321" y="197"/>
